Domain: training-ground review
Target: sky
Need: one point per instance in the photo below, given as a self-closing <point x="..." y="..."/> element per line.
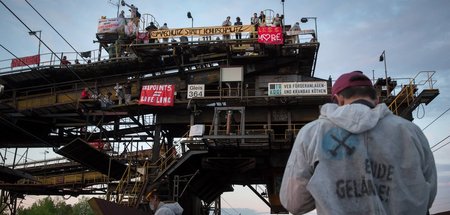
<point x="352" y="33"/>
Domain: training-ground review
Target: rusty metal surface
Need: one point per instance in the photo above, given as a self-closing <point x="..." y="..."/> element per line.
<point x="103" y="207"/>
<point x="81" y="152"/>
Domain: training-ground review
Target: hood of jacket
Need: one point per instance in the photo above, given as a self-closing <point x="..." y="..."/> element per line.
<point x="355" y="118"/>
<point x="175" y="207"/>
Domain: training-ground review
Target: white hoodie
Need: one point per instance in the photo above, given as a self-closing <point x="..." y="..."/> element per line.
<point x="358" y="160"/>
<point x="169" y="209"/>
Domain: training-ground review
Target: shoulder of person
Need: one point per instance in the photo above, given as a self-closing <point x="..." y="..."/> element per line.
<point x="163" y="210"/>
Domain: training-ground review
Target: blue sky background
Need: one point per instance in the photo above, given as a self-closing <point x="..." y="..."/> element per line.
<point x="352" y="33"/>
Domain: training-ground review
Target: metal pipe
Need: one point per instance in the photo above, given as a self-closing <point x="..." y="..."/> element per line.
<point x="229" y="114"/>
<point x="33" y="33"/>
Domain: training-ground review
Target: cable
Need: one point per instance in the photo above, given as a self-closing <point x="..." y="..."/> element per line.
<point x="20" y="59"/>
<point x="70" y="69"/>
<point x="26" y="132"/>
<point x="229" y="205"/>
<point x="436" y="119"/>
<point x="439" y="142"/>
<point x="417" y="113"/>
<point x="27" y="158"/>
<point x="45" y="44"/>
<point x="225" y="211"/>
<point x="40" y="74"/>
<point x="55" y="30"/>
<point x="441" y="147"/>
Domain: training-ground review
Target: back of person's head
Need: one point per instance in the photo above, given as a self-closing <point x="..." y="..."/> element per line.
<point x="152" y="195"/>
<point x="353" y="84"/>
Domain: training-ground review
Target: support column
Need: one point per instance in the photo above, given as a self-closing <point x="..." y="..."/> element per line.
<point x="156" y="143"/>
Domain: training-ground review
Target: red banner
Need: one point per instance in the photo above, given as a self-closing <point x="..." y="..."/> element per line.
<point x="35" y="59"/>
<point x="270" y="35"/>
<point x="157" y="95"/>
<point x="143" y="36"/>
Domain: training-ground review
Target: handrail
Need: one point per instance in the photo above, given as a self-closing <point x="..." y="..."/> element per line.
<point x="406" y="95"/>
<point x="85" y="178"/>
<point x="48" y="60"/>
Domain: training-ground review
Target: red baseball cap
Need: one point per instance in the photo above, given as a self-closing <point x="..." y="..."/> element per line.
<point x="351" y="79"/>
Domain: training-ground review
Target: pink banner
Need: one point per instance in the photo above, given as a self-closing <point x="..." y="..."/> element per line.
<point x="157" y="95"/>
<point x="24" y="61"/>
<point x="143" y="36"/>
<point x="270" y="35"/>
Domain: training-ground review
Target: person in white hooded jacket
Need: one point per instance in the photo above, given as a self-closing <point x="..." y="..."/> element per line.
<point x="359" y="158"/>
<point x="161" y="208"/>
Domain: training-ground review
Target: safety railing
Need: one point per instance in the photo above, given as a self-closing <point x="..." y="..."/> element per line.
<point x="406" y="96"/>
<point x="48" y="60"/>
<point x="131" y="186"/>
<point x="81" y="178"/>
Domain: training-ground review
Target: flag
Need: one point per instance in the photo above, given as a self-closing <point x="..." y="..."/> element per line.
<point x="85" y="54"/>
<point x="382" y="57"/>
<point x="25" y="61"/>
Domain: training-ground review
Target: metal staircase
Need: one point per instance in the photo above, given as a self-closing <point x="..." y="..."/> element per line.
<point x="407" y="100"/>
<point x="131" y="188"/>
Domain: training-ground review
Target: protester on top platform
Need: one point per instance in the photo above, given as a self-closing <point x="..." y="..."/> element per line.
<point x="295" y="27"/>
<point x="238" y="35"/>
<point x="225" y="23"/>
<point x="276" y="21"/>
<point x="134" y="13"/>
<point x="132" y="9"/>
<point x="254" y="20"/>
<point x="262" y="19"/>
<point x="122" y="14"/>
<point x="164" y="27"/>
<point x="150" y="28"/>
<point x="64" y="61"/>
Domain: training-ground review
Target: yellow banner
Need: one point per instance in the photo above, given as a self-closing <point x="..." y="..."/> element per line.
<point x="214" y="30"/>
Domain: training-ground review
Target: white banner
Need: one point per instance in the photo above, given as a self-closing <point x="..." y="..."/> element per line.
<point x="298" y="88"/>
<point x="108" y="25"/>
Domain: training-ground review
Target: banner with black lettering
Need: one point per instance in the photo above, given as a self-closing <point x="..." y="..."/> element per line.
<point x="157" y="95"/>
<point x="270" y="35"/>
<point x="205" y="31"/>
